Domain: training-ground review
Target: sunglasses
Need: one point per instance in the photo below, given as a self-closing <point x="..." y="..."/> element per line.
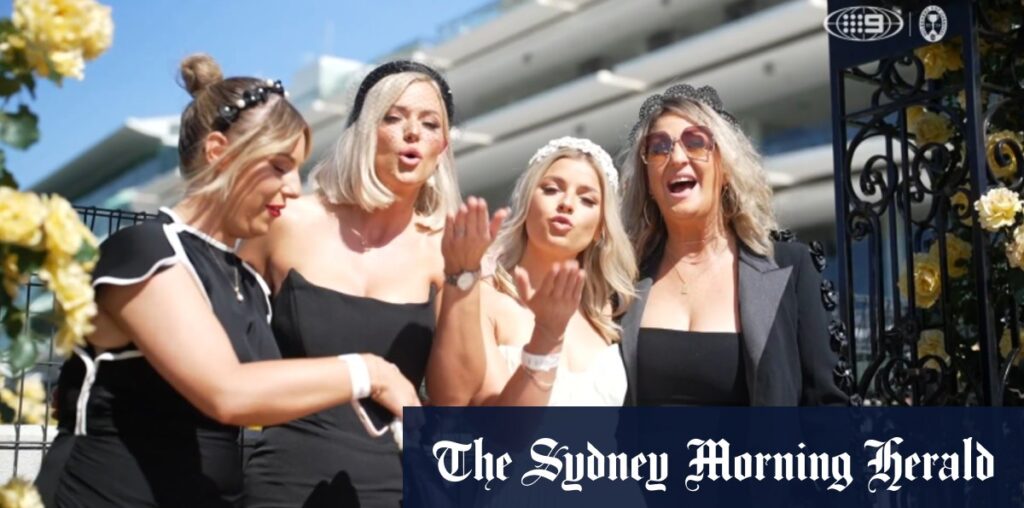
<point x="696" y="141"/>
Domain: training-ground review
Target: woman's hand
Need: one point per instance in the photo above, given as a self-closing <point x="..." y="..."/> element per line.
<point x="552" y="303"/>
<point x="388" y="386"/>
<point x="467" y="236"/>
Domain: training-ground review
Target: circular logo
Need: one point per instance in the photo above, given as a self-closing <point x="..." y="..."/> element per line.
<point x="932" y="23"/>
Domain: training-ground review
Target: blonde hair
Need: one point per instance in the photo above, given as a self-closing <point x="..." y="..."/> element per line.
<point x="348" y="176"/>
<point x="608" y="260"/>
<point x="746" y="204"/>
<point x="259" y="132"/>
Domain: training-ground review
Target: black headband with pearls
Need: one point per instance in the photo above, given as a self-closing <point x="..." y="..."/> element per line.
<point x="705" y="95"/>
<point x="228" y="114"/>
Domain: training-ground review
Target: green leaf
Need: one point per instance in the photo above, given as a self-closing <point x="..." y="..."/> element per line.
<point x="30" y="83"/>
<point x="7" y="179"/>
<point x="20" y="129"/>
<point x="1016" y="277"/>
<point x="29" y="261"/>
<point x="9" y="86"/>
<point x="14" y="321"/>
<point x="86" y="253"/>
<point x="22" y="354"/>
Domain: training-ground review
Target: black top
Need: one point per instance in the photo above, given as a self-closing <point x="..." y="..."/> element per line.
<point x="787" y="353"/>
<point x="328" y="459"/>
<point x="682" y="368"/>
<point x="156" y="449"/>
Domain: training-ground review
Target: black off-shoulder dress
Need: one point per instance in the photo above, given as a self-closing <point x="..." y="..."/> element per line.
<point x="327" y="459"/>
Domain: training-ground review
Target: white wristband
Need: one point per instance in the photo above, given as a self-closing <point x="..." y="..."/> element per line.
<point x="540" y="363"/>
<point x="358" y="375"/>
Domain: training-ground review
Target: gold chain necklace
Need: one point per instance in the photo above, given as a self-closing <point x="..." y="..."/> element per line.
<point x="679" y="274"/>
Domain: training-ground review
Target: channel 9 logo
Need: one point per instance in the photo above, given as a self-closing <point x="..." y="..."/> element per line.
<point x="864" y="23"/>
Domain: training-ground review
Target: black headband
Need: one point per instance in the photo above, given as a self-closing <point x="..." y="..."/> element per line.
<point x="705" y="95"/>
<point x="396" y="67"/>
<point x="227" y="114"/>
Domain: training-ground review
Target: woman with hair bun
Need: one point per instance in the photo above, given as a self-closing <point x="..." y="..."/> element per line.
<point x="183" y="354"/>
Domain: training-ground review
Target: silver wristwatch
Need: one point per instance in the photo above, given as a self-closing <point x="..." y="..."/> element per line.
<point x="462" y="280"/>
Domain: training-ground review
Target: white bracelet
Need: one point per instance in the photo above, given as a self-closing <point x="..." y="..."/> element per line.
<point x="540" y="363"/>
<point x="358" y="375"/>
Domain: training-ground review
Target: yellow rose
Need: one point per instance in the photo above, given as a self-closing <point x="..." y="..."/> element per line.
<point x="77" y="325"/>
<point x="1015" y="248"/>
<point x="68" y="64"/>
<point x="961" y="98"/>
<point x="932" y="342"/>
<point x="12" y="278"/>
<point x="26" y="411"/>
<point x="70" y="282"/>
<point x="928" y="127"/>
<point x="1006" y="345"/>
<point x="33" y="388"/>
<point x="938" y="59"/>
<point x="958" y="253"/>
<point x="21" y="218"/>
<point x="76" y="307"/>
<point x="998" y="208"/>
<point x="1008" y="170"/>
<point x="61" y="34"/>
<point x="64" y="230"/>
<point x="927" y="281"/>
<point x="97" y="31"/>
<point x="30" y="406"/>
<point x="19" y="493"/>
<point x="961" y="203"/>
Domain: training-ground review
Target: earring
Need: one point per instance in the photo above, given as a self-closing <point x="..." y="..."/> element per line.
<point x="729" y="201"/>
<point x="647" y="220"/>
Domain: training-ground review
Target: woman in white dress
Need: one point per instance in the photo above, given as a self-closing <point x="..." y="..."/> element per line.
<point x="564" y="269"/>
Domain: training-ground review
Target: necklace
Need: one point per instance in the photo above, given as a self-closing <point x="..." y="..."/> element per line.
<point x="237" y="283"/>
<point x="682" y="280"/>
<point x="362" y="240"/>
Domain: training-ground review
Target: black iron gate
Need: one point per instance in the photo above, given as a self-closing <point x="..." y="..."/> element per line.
<point x="929" y="296"/>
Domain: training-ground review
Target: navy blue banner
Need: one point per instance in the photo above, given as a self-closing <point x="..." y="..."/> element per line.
<point x="619" y="457"/>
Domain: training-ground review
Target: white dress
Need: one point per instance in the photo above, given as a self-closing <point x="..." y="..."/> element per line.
<point x="602" y="384"/>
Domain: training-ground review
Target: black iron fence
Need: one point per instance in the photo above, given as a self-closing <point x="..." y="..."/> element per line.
<point x="925" y="289"/>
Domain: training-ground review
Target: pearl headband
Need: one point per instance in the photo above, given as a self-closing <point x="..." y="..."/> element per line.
<point x="601" y="157"/>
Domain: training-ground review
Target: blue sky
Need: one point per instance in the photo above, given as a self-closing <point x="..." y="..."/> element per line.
<point x="136" y="76"/>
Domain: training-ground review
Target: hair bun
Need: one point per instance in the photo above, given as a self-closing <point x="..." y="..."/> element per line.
<point x="199" y="71"/>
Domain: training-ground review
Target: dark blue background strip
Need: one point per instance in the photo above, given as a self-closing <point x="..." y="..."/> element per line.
<point x="624" y="457"/>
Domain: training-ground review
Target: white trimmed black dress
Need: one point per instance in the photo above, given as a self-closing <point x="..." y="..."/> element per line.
<point x="127" y="438"/>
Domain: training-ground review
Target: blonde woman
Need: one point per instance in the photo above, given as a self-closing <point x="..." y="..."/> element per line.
<point x="150" y="409"/>
<point x="724" y="315"/>
<point x="357" y="268"/>
<point x="564" y="270"/>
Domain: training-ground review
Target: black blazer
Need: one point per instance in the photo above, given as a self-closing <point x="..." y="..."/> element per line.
<point x="787" y="360"/>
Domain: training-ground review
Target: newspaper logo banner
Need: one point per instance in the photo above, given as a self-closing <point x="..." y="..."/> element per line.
<point x="712" y="457"/>
<point x="865" y="23"/>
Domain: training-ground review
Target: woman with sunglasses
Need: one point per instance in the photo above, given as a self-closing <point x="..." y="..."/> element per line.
<point x="724" y="315"/>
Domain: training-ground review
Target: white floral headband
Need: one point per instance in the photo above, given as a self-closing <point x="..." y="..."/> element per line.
<point x="601" y="157"/>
